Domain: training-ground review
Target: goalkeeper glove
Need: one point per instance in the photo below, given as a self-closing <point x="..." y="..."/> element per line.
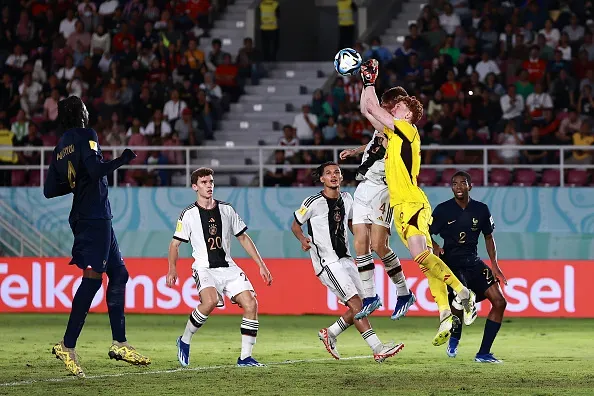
<point x="369" y="71"/>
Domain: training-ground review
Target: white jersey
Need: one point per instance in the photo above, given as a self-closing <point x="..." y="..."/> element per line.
<point x="327" y="224"/>
<point x="372" y="166"/>
<point x="210" y="231"/>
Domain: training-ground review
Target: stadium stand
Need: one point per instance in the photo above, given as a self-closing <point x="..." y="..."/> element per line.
<point x="178" y="73"/>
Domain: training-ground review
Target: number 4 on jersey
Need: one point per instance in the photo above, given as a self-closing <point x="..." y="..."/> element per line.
<point x="71" y="175"/>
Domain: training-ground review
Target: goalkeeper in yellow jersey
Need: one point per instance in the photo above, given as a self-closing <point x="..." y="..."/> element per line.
<point x="412" y="212"/>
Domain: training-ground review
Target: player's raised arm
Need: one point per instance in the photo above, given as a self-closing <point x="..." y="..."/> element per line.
<point x="344" y="154"/>
<point x="53" y="186"/>
<point x="93" y="161"/>
<point x="380" y="118"/>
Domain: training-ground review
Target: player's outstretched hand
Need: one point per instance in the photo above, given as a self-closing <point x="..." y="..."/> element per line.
<point x="344" y="154"/>
<point x="171" y="278"/>
<point x="499" y="274"/>
<point x="128" y="155"/>
<point x="266" y="275"/>
<point x="369" y="72"/>
<point x="305" y="244"/>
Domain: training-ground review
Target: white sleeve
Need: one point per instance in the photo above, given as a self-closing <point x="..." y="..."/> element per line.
<point x="304" y="213"/>
<point x="182" y="229"/>
<point x="350" y="208"/>
<point x="238" y="226"/>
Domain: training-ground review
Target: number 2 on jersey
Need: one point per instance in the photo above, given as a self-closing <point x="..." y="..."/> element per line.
<point x="71" y="175"/>
<point x="462" y="238"/>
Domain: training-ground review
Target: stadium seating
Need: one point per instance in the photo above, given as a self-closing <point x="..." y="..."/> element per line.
<point x="427" y="177"/>
<point x="500" y="177"/>
<point x="446" y="176"/>
<point x="576" y="178"/>
<point x="551" y="178"/>
<point x="477" y="176"/>
<point x="525" y="177"/>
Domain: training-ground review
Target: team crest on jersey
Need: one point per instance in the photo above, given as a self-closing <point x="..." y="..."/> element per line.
<point x="212" y="228"/>
<point x="474" y="224"/>
<point x="337" y="216"/>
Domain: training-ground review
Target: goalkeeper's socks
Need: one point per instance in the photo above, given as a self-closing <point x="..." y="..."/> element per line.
<point x="81" y="303"/>
<point x="394" y="271"/>
<point x="249" y="332"/>
<point x="491" y="330"/>
<point x="338" y="327"/>
<point x="366" y="268"/>
<point x="372" y="340"/>
<point x="197" y="319"/>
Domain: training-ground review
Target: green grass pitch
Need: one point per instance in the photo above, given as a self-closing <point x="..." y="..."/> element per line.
<point x="542" y="357"/>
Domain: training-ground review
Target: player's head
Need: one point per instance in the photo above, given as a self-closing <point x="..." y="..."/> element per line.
<point x="203" y="182"/>
<point x="330" y="175"/>
<point x="461" y="185"/>
<point x="397" y="102"/>
<point x="72" y="113"/>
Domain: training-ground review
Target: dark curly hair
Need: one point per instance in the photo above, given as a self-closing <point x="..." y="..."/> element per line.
<point x="71" y="113"/>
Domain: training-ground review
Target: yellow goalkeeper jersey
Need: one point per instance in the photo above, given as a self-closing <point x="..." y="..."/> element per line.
<point x="403" y="163"/>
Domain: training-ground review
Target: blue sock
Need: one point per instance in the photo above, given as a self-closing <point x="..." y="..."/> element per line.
<point x="491" y="329"/>
<point x="81" y="303"/>
<point x="116" y="292"/>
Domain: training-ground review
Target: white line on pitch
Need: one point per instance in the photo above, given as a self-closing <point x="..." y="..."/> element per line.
<point x="177" y="370"/>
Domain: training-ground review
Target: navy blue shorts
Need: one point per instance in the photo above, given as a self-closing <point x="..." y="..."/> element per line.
<point x="477" y="276"/>
<point x="95" y="246"/>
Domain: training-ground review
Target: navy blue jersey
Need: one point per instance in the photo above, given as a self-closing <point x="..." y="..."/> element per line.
<point x="77" y="166"/>
<point x="460" y="230"/>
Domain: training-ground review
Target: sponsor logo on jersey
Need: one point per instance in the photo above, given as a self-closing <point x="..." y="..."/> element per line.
<point x="302" y="210"/>
<point x="93" y="145"/>
<point x="179" y="226"/>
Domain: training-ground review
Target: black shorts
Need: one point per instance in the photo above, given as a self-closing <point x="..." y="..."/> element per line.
<point x="95" y="246"/>
<point x="477" y="276"/>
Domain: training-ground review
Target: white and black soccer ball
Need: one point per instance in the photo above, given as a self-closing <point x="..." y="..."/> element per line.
<point x="347" y="62"/>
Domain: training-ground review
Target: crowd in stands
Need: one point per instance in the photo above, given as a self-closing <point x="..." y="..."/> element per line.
<point x="488" y="73"/>
<point x="135" y="63"/>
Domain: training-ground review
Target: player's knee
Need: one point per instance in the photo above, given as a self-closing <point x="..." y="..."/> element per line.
<point x="90" y="273"/>
<point x="379" y="247"/>
<point x="250" y="305"/>
<point x="499" y="303"/>
<point x="355" y="303"/>
<point x="119" y="276"/>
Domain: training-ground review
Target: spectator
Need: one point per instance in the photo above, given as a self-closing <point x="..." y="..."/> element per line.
<point x="305" y="123"/>
<point x="406" y="50"/>
<point x="30" y="92"/>
<point x="194" y="55"/>
<point x="586" y="102"/>
<point x="269" y="30"/>
<point x="376" y="51"/>
<point x="434" y="36"/>
<point x="546" y="51"/>
<point x="120" y="37"/>
<point x="68" y="24"/>
<point x="100" y="41"/>
<point x="281" y="174"/>
<point x="493" y="86"/>
<point x="451" y="87"/>
<point x="568" y="127"/>
<point x="151" y="11"/>
<point x="588" y="46"/>
<point x="173" y="157"/>
<point x="79" y="40"/>
<point x="20" y="127"/>
<point x="574" y="31"/>
<point x="227" y="77"/>
<point x="248" y="60"/>
<point x="507" y="39"/>
<point x="523" y="86"/>
<point x="562" y="90"/>
<point x="509" y="137"/>
<point x="329" y="131"/>
<point x="187" y="129"/>
<point x="320" y="107"/>
<point x="565" y="47"/>
<point x="583" y="137"/>
<point x="108" y="8"/>
<point x="289" y="139"/>
<point x="582" y="65"/>
<point x="449" y="20"/>
<point x="30" y="140"/>
<point x="537" y="101"/>
<point x="135" y="128"/>
<point x="435" y="105"/>
<point x="534" y="157"/>
<point x="216" y="56"/>
<point x="16" y="60"/>
<point x="487" y="37"/>
<point x="486" y="66"/>
<point x="551" y="34"/>
<point x="158" y="127"/>
<point x="174" y="107"/>
<point x="535" y="66"/>
<point x="451" y="50"/>
<point x="203" y="112"/>
<point x="512" y="105"/>
<point x="50" y="110"/>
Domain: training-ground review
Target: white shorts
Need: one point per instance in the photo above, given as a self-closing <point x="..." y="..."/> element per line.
<point x="228" y="281"/>
<point x="372" y="205"/>
<point x="342" y="278"/>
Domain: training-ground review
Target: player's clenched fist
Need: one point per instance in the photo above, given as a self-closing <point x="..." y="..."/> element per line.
<point x="305" y="244"/>
<point x="369" y="72"/>
<point x="171" y="278"/>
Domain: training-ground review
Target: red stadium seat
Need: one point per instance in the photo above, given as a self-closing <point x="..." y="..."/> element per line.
<point x="551" y="178"/>
<point x="34" y="178"/>
<point x="477" y="177"/>
<point x="427" y="177"/>
<point x="525" y="177"/>
<point x="446" y="176"/>
<point x="577" y="177"/>
<point x="18" y="178"/>
<point x="500" y="177"/>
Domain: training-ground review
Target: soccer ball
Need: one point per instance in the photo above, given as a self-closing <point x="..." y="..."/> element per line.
<point x="347" y="62"/>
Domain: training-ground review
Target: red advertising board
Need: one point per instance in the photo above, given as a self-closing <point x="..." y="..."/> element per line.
<point x="547" y="288"/>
